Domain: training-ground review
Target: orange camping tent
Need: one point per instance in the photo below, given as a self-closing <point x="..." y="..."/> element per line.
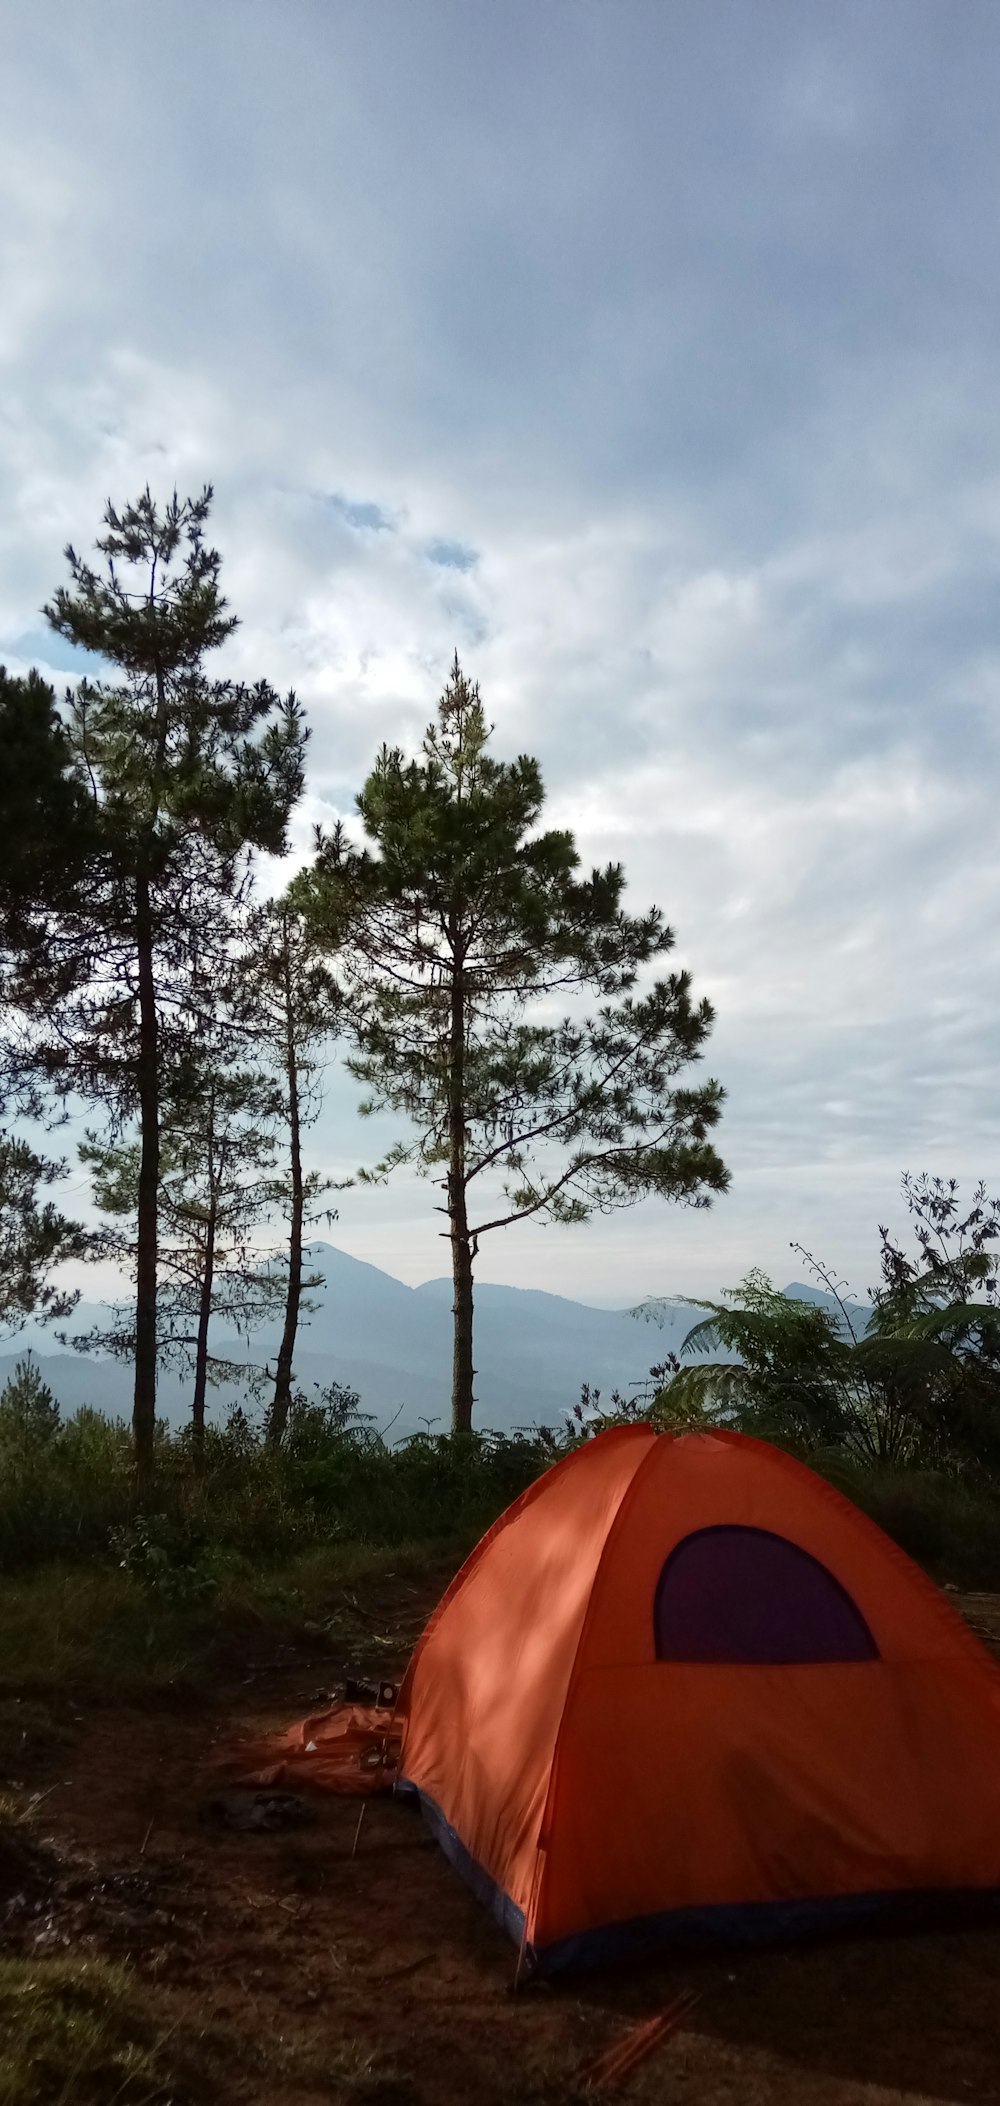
<point x="683" y="1686"/>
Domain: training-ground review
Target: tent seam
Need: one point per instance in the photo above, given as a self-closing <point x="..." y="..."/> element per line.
<point x="575" y="1670"/>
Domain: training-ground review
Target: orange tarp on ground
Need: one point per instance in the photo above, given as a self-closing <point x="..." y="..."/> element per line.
<point x="347" y="1748"/>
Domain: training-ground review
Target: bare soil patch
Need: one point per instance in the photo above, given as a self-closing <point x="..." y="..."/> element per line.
<point x="376" y="1977"/>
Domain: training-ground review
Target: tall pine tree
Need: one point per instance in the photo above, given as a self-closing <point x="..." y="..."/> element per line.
<point x="453" y="930"/>
<point x="291" y="1004"/>
<point x="187" y="775"/>
<point x="46" y="842"/>
<point x="217" y="1164"/>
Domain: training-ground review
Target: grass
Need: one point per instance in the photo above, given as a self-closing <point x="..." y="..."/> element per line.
<point x="90" y="1633"/>
<point x="78" y="2029"/>
<point x="65" y="1629"/>
<point x="87" y="2032"/>
<point x="74" y="2031"/>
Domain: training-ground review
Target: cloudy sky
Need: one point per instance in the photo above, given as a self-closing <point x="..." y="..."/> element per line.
<point x="647" y="353"/>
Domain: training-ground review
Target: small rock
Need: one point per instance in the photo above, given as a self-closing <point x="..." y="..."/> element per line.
<point x="257" y="1813"/>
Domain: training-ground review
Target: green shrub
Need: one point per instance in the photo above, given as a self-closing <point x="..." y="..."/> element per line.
<point x="63" y="1497"/>
<point x="73" y="1497"/>
<point x="949" y="1526"/>
<point x="235" y="1505"/>
<point x="169" y="1560"/>
<point x="29" y="1414"/>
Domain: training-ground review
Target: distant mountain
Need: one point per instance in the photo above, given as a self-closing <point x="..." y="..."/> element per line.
<point x="392" y="1343"/>
<point x="858" y="1312"/>
<point x="683" y="1312"/>
<point x="76" y="1378"/>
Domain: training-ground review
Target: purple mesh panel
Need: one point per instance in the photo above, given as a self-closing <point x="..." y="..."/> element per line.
<point x="743" y="1594"/>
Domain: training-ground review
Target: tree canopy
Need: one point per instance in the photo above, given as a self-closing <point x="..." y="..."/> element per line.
<point x="186" y="776"/>
<point x="914" y="1382"/>
<point x="457" y="931"/>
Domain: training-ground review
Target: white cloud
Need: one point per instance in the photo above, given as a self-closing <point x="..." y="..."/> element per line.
<point x="677" y="339"/>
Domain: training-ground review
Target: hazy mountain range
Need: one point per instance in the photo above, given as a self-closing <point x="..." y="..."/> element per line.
<point x="392" y="1343"/>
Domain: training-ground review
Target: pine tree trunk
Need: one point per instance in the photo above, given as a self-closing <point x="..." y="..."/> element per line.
<point x="282" y="1399"/>
<point x="148" y="1081"/>
<point x="201" y="1344"/>
<point x="462" y="1370"/>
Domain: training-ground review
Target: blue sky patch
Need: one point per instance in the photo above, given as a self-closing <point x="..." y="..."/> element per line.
<point x="43" y="647"/>
<point x="361" y="514"/>
<point x="454" y="555"/>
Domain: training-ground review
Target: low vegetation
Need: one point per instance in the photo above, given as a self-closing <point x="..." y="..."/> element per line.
<point x="112" y="1580"/>
<point x="69" y="1492"/>
<point x="81" y="2030"/>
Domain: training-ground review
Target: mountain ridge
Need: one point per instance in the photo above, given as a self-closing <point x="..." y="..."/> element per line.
<point x="392" y="1343"/>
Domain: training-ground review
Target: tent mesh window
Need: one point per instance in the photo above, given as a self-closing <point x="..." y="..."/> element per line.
<point x="749" y="1597"/>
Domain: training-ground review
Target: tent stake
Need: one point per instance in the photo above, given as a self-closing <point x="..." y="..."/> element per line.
<point x="520" y="1955"/>
<point x="357" y="1832"/>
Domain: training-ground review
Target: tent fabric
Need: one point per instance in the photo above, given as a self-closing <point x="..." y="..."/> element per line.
<point x="825" y="1741"/>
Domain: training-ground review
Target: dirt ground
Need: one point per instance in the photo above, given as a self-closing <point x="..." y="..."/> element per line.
<point x="378" y="1978"/>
